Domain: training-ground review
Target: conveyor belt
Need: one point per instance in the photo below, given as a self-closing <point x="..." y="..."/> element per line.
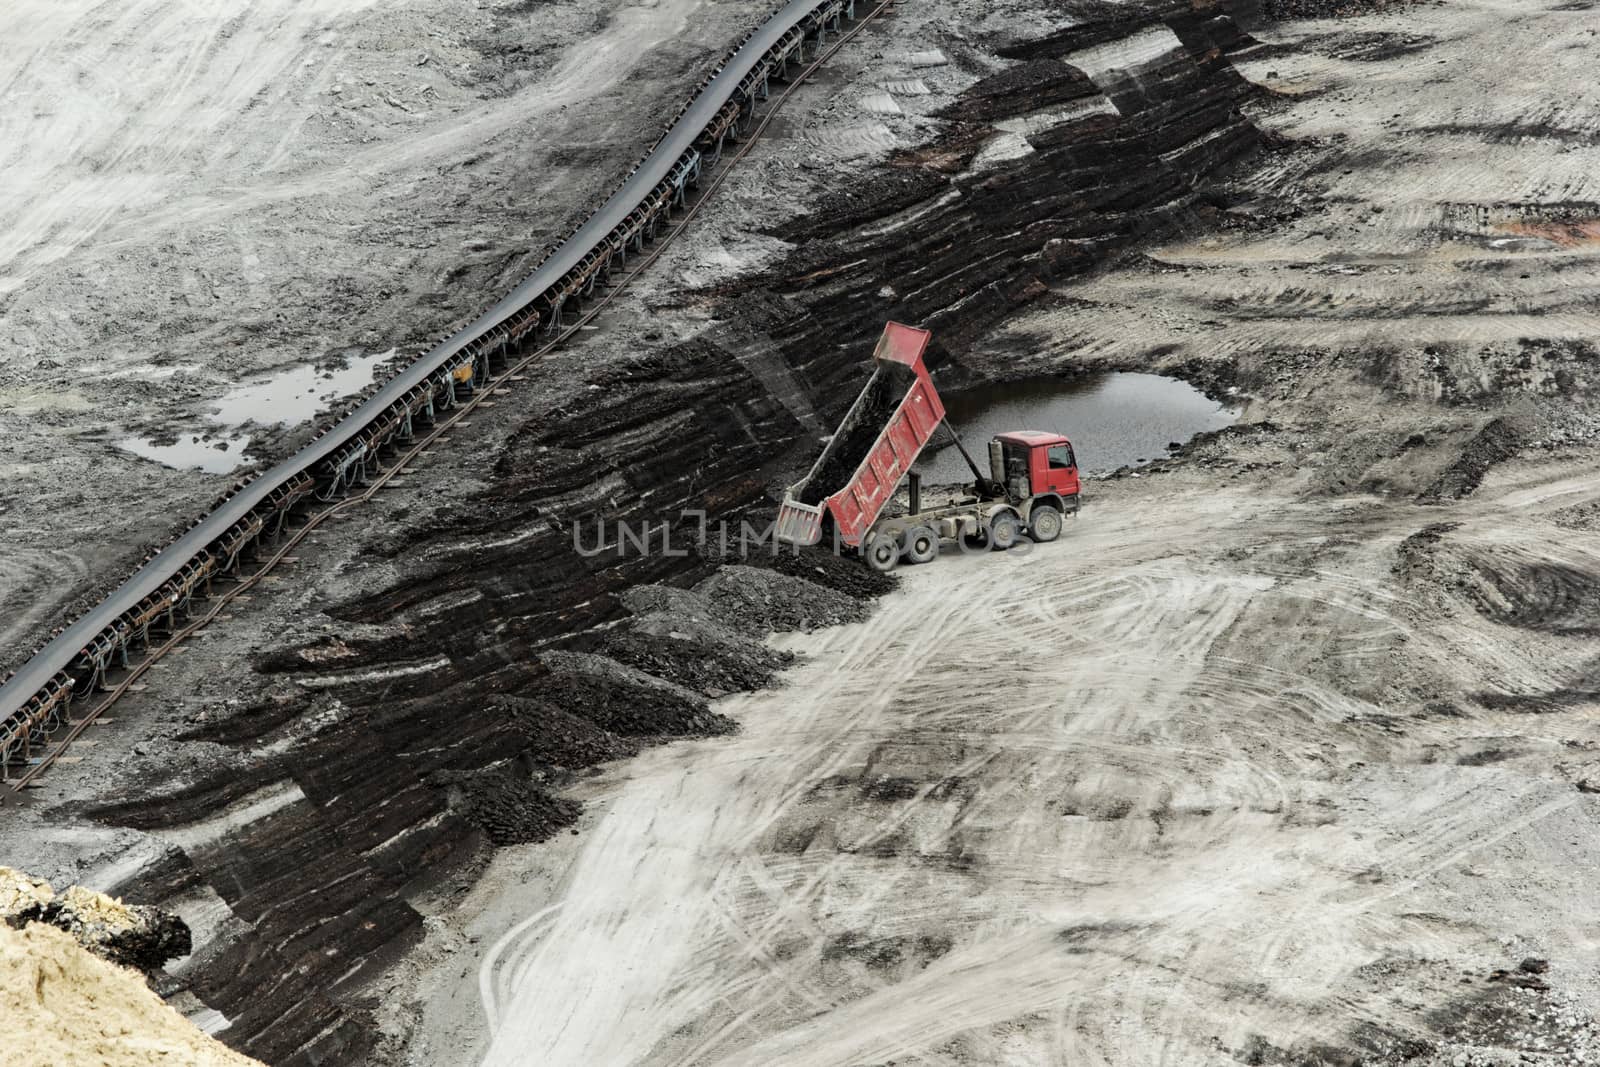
<point x="86" y="646"/>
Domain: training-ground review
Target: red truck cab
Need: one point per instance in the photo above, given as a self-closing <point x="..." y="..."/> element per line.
<point x="1038" y="464"/>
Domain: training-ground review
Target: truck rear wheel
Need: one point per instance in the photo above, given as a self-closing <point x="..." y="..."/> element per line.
<point x="1044" y="523"/>
<point x="1004" y="529"/>
<point x="922" y="545"/>
<point x="881" y="553"/>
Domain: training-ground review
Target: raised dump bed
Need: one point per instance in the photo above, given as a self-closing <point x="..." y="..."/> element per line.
<point x="884" y="432"/>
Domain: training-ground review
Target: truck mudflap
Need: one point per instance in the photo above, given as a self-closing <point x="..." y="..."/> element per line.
<point x="799" y="524"/>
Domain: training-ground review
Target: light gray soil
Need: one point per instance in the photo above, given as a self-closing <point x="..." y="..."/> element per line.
<point x="198" y="195"/>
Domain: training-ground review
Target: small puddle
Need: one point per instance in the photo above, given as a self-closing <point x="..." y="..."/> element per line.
<point x="295" y="395"/>
<point x="192" y="452"/>
<point x="288" y="398"/>
<point x="1114" y="420"/>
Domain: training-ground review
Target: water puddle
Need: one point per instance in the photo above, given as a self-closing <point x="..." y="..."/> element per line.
<point x="295" y="395"/>
<point x="1114" y="420"/>
<point x="192" y="452"/>
<point x="288" y="398"/>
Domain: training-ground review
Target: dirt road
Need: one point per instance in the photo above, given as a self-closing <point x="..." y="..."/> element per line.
<point x="1130" y="798"/>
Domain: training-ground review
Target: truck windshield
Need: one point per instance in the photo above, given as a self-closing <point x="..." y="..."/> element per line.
<point x="1061" y="457"/>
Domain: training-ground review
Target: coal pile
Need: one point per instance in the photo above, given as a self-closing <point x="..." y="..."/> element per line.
<point x="712" y="670"/>
<point x="756" y="600"/>
<point x="558" y="738"/>
<point x="625" y="701"/>
<point x="513" y="810"/>
<point x="1031" y="85"/>
<point x="822" y="566"/>
<point x="133" y="935"/>
<point x="988" y="242"/>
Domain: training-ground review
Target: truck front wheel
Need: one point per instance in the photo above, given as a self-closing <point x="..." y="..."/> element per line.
<point x="881" y="553"/>
<point x="1044" y="523"/>
<point x="1004" y="529"/>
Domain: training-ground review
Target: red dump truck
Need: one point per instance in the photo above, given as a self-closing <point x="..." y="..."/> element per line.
<point x="1031" y="484"/>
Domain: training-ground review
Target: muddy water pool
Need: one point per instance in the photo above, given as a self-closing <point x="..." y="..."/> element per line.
<point x="1114" y="420"/>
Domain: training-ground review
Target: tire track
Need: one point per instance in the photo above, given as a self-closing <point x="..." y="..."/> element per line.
<point x="1193" y="771"/>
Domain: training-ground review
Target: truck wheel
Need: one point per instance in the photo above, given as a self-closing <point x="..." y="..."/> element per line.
<point x="881" y="553"/>
<point x="1044" y="524"/>
<point x="1004" y="529"/>
<point x="922" y="545"/>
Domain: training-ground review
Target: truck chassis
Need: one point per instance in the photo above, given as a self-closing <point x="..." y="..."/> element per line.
<point x="996" y="524"/>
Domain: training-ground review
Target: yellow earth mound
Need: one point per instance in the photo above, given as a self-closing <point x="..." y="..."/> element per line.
<point x="19" y="892"/>
<point x="60" y="1006"/>
<point x="94" y="907"/>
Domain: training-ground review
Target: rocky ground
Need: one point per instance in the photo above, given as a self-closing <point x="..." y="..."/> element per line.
<point x="1299" y="774"/>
